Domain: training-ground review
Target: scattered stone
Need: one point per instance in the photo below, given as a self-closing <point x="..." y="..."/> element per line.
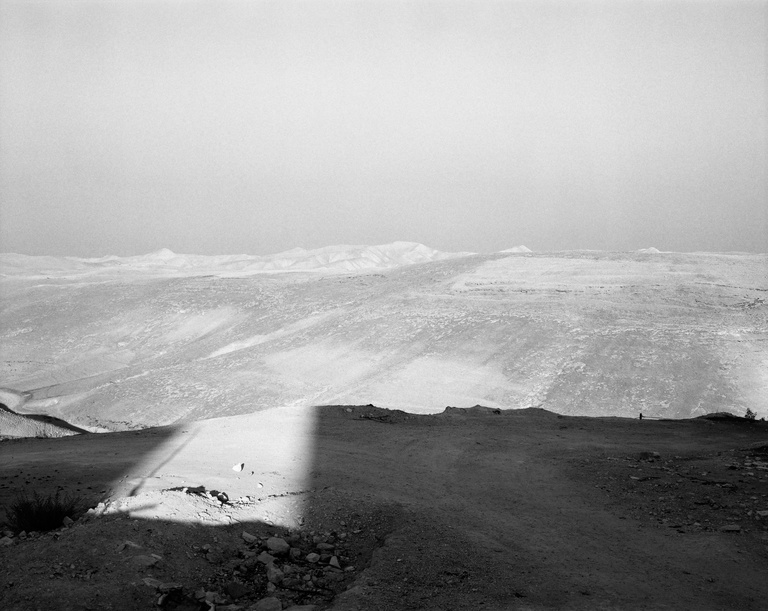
<point x="650" y="456"/>
<point x="313" y="558"/>
<point x="731" y="528"/>
<point x="763" y="513"/>
<point x="170" y="586"/>
<point x="302" y="608"/>
<point x="274" y="574"/>
<point x="214" y="556"/>
<point x="270" y="603"/>
<point x="249" y="538"/>
<point x="334" y="562"/>
<point x="126" y="544"/>
<point x="325" y="546"/>
<point x="6" y="541"/>
<point x="214" y="598"/>
<point x="278" y="545"/>
<point x="152" y="582"/>
<point x="145" y="560"/>
<point x="265" y="558"/>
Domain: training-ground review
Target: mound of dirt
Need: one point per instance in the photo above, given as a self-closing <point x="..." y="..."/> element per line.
<point x="14" y="425"/>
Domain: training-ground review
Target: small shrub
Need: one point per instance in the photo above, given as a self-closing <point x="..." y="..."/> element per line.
<point x="750" y="415"/>
<point x="41" y="513"/>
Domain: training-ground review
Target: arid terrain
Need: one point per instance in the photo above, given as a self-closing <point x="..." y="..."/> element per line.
<point x="272" y="433"/>
<point x="468" y="509"/>
<point x="115" y="344"/>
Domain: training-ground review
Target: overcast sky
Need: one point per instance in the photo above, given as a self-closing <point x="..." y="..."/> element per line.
<point x="255" y="127"/>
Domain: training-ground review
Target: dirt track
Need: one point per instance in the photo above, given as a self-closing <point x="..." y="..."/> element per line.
<point x="470" y="509"/>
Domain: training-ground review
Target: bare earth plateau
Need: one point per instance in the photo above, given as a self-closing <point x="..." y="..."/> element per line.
<point x="274" y="432"/>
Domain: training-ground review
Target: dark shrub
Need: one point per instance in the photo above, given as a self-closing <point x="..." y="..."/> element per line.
<point x="41" y="513"/>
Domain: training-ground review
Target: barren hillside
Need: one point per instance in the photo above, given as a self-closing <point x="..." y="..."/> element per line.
<point x="107" y="344"/>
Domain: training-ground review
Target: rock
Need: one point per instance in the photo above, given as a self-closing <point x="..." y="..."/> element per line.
<point x="278" y="545"/>
<point x="145" y="560"/>
<point x="295" y="552"/>
<point x="267" y="604"/>
<point x="302" y="608"/>
<point x="274" y="574"/>
<point x="334" y="562"/>
<point x="215" y="556"/>
<point x="214" y="598"/>
<point x="152" y="582"/>
<point x="238" y="467"/>
<point x="731" y="528"/>
<point x="236" y="590"/>
<point x="169" y="586"/>
<point x="67" y="521"/>
<point x="649" y="456"/>
<point x="6" y="541"/>
<point x="126" y="544"/>
<point x="265" y="558"/>
<point x="313" y="557"/>
<point x="249" y="538"/>
<point x="325" y="546"/>
<point x="763" y="513"/>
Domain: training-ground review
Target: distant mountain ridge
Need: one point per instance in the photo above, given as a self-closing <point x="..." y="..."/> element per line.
<point x="338" y="258"/>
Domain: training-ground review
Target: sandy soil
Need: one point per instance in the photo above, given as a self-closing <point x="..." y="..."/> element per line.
<point x="468" y="509"/>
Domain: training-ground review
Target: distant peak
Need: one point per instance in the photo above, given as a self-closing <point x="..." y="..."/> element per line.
<point x="520" y="248"/>
<point x="163" y="253"/>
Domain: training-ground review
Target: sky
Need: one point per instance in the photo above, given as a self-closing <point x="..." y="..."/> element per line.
<point x="254" y="127"/>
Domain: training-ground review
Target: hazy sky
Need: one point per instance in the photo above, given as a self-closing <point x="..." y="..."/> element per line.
<point x="254" y="127"/>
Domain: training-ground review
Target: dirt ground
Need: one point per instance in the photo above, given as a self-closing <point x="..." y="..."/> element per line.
<point x="468" y="509"/>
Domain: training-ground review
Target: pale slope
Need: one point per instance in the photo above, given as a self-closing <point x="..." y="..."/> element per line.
<point x="579" y="333"/>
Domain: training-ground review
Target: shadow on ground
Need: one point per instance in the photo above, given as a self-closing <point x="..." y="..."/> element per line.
<point x="357" y="507"/>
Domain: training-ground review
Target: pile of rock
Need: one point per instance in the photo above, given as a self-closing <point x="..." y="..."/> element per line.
<point x="296" y="571"/>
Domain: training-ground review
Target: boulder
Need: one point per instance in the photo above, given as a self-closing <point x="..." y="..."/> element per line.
<point x="278" y="545"/>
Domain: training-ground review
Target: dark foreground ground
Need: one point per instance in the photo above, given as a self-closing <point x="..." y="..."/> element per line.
<point x="465" y="510"/>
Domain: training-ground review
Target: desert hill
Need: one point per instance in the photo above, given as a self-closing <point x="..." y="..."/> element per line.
<point x="118" y="343"/>
<point x="341" y="258"/>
